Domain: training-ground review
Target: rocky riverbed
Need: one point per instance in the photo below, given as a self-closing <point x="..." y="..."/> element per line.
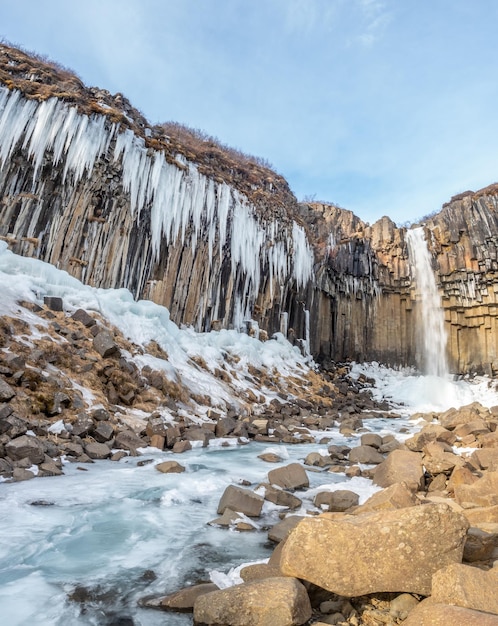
<point x="420" y="549"/>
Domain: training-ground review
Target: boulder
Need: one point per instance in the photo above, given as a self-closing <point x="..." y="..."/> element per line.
<point x="182" y="600"/>
<point x="259" y="571"/>
<point x="127" y="440"/>
<point x="25" y="446"/>
<point x="270" y="457"/>
<point x="292" y="476"/>
<point x="281" y="531"/>
<point x="97" y="450"/>
<point x="82" y="425"/>
<point x="53" y="303"/>
<point x="225" y="426"/>
<point x="484" y="492"/>
<point x="339" y="500"/>
<point x="406" y="545"/>
<point x="427" y="613"/>
<point x="270" y="602"/>
<point x="241" y="500"/>
<point x="371" y="439"/>
<point x="402" y="605"/>
<point x="485" y="458"/>
<point x="80" y="315"/>
<point x="466" y="586"/>
<point x="104" y="344"/>
<point x="6" y="391"/>
<point x="103" y="432"/>
<point x="182" y="446"/>
<point x="316" y="459"/>
<point x="397" y="496"/>
<point x="482" y="515"/>
<point x="281" y="497"/>
<point x="480" y="546"/>
<point x="169" y="467"/>
<point x="365" y="454"/>
<point x="401" y="466"/>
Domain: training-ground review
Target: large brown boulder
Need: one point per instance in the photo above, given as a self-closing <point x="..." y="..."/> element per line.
<point x="397" y="496"/>
<point x="241" y="500"/>
<point x="484" y="492"/>
<point x="375" y="552"/>
<point x="365" y="454"/>
<point x="270" y="602"/>
<point x="339" y="500"/>
<point x="466" y="586"/>
<point x="401" y="466"/>
<point x="429" y="614"/>
<point x="292" y="476"/>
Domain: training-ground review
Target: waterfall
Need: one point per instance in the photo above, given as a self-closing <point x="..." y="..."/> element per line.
<point x="431" y="331"/>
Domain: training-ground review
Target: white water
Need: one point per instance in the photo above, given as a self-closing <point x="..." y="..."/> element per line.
<point x="432" y="333"/>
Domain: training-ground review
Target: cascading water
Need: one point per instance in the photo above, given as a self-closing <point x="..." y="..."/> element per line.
<point x="432" y="331"/>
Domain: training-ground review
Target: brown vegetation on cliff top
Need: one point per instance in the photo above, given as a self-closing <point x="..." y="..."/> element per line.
<point x="40" y="79"/>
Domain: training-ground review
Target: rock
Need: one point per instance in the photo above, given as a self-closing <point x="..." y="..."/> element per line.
<point x="365" y="454"/>
<point x="485" y="458"/>
<point x="172" y="434"/>
<point x="6" y="391"/>
<point x="20" y="473"/>
<point x="228" y="518"/>
<point x="259" y="571"/>
<point x="241" y="500"/>
<point x="225" y="426"/>
<point x="460" y="476"/>
<point x="80" y="315"/>
<point x="427" y="613"/>
<point x="182" y="600"/>
<point x="407" y="546"/>
<point x="339" y="500"/>
<point x="466" y="586"/>
<point x="452" y="418"/>
<point x="182" y="446"/>
<point x="270" y="602"/>
<point x="13" y="425"/>
<point x="25" y="446"/>
<point x="402" y="605"/>
<point x="103" y="432"/>
<point x="104" y="344"/>
<point x="484" y="492"/>
<point x="53" y="303"/>
<point x="157" y="441"/>
<point x="371" y="439"/>
<point x="100" y="415"/>
<point x="397" y="496"/>
<point x="318" y="460"/>
<point x="482" y="515"/>
<point x="479" y="546"/>
<point x="199" y="434"/>
<point x="82" y="425"/>
<point x="292" y="476"/>
<point x="127" y="440"/>
<point x="281" y="531"/>
<point x="169" y="467"/>
<point x="49" y="468"/>
<point x="401" y="466"/>
<point x="97" y="450"/>
<point x="270" y="457"/>
<point x="281" y="497"/>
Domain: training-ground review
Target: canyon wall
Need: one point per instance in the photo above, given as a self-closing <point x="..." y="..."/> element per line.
<point x="219" y="239"/>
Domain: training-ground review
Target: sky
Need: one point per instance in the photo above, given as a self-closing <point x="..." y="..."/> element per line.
<point x="384" y="107"/>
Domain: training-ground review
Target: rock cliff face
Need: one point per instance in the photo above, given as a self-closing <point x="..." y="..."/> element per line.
<point x="88" y="185"/>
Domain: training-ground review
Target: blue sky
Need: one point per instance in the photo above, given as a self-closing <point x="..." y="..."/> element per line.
<point x="385" y="107"/>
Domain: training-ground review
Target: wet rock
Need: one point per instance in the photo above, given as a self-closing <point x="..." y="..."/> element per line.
<point x="315" y="459"/>
<point x="97" y="450"/>
<point x="182" y="446"/>
<point x="25" y="446"/>
<point x="181" y="601"/>
<point x="292" y="476"/>
<point x="281" y="497"/>
<point x="169" y="467"/>
<point x="286" y="603"/>
<point x="407" y="546"/>
<point x="270" y="457"/>
<point x="339" y="500"/>
<point x="49" y="468"/>
<point x="365" y="454"/>
<point x="128" y="440"/>
<point x="242" y="500"/>
<point x="19" y="474"/>
<point x="281" y="531"/>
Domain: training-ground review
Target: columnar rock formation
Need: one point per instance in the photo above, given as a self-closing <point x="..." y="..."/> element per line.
<point x="88" y="185"/>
